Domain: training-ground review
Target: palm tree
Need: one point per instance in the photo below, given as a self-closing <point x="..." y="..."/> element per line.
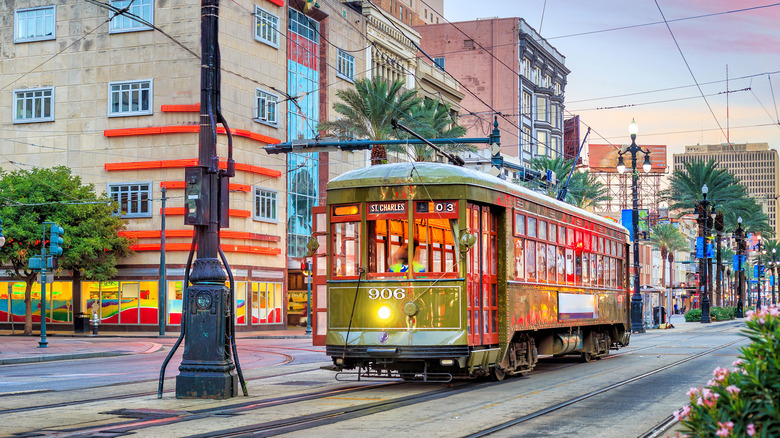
<point x="431" y="119"/>
<point x="668" y="239"/>
<point x="367" y="112"/>
<point x="685" y="186"/>
<point x="584" y="189"/>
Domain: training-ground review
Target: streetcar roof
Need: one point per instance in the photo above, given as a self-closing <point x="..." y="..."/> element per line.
<point x="399" y="174"/>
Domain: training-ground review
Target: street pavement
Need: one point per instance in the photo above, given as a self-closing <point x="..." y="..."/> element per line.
<point x="16" y="349"/>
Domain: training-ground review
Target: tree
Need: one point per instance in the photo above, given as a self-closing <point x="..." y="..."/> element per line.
<point x="92" y="245"/>
<point x="584" y="189"/>
<point x="685" y="186"/>
<point x="367" y="112"/>
<point x="668" y="239"/>
<point x="431" y="119"/>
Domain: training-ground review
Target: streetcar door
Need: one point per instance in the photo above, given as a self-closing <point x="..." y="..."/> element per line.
<point x="319" y="301"/>
<point x="482" y="276"/>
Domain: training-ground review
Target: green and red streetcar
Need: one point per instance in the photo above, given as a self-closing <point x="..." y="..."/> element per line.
<point x="430" y="271"/>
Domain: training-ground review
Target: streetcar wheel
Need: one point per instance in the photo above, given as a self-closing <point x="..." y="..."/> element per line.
<point x="497" y="374"/>
<point x="587" y="357"/>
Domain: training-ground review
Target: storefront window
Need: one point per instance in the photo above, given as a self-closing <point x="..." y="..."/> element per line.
<point x="240" y="304"/>
<point x="125" y="302"/>
<point x="266" y="303"/>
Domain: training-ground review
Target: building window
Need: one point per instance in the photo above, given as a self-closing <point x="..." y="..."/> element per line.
<point x="541" y="143"/>
<point x="439" y="62"/>
<point x="130" y="98"/>
<point x="557" y="88"/>
<point x="527" y="68"/>
<point x="526" y="139"/>
<point x="266" y="107"/>
<point x="527" y="103"/>
<point x="542" y="111"/>
<point x="143" y="9"/>
<point x="134" y="199"/>
<point x="537" y="76"/>
<point x="35" y="24"/>
<point x="556" y="116"/>
<point x="555" y="146"/>
<point x="34" y="105"/>
<point x="547" y="81"/>
<point x="265" y="205"/>
<point x="346" y="66"/>
<point x="303" y="26"/>
<point x="266" y="27"/>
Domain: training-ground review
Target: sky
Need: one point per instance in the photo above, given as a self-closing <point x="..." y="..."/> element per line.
<point x="620" y="74"/>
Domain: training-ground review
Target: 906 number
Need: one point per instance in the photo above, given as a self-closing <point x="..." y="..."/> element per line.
<point x="386" y="294"/>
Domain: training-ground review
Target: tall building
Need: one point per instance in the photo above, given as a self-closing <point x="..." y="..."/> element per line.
<point x="754" y="164"/>
<point x="510" y="69"/>
<point x="116" y="100"/>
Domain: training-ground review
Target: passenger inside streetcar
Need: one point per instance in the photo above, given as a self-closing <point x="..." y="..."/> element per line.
<point x="401" y="258"/>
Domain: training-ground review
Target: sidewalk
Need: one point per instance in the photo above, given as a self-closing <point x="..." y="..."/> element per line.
<point x="16" y="349"/>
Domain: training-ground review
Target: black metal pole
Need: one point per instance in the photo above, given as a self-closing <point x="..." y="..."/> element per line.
<point x="758" y="277"/>
<point x="740" y="275"/>
<point x="637" y="323"/>
<point x="207" y="369"/>
<point x="704" y="290"/>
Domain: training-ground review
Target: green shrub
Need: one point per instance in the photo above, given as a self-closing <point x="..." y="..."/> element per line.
<point x="744" y="401"/>
<point x="693" y="315"/>
<point x="722" y="313"/>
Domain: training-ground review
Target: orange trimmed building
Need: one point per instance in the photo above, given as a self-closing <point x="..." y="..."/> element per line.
<point x="117" y="101"/>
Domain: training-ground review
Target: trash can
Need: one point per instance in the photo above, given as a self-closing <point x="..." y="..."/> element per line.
<point x="81" y="323"/>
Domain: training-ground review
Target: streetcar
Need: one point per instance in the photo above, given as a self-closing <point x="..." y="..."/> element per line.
<point x="430" y="271"/>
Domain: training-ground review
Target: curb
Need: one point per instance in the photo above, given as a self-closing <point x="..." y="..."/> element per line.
<point x="54" y="357"/>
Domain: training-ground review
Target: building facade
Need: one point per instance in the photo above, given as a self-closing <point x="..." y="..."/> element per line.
<point x="116" y="99"/>
<point x="754" y="164"/>
<point x="504" y="66"/>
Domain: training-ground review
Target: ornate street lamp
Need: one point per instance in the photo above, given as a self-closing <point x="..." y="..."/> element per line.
<point x="704" y="266"/>
<point x="739" y="236"/>
<point x="760" y="250"/>
<point x="637" y="325"/>
<point x="773" y="264"/>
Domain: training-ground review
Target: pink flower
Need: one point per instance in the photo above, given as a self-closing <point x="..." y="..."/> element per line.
<point x="750" y="314"/>
<point x="751" y="429"/>
<point x="682" y="412"/>
<point x="738" y="362"/>
<point x="692" y="392"/>
<point x="699" y="401"/>
<point x="724" y="429"/>
<point x="732" y="389"/>
<point x="774" y="312"/>
<point x="720" y="373"/>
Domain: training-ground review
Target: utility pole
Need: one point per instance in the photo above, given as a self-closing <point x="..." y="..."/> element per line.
<point x="207" y="369"/>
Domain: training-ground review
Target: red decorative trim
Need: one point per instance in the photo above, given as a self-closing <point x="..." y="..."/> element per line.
<point x="138" y="165"/>
<point x="193" y="108"/>
<point x="180" y="185"/>
<point x="179" y="211"/>
<point x="227" y="234"/>
<point x="178" y="129"/>
<point x="260" y="250"/>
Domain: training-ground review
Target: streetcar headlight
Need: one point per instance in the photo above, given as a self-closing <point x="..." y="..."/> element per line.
<point x="384" y="312"/>
<point x="447" y="362"/>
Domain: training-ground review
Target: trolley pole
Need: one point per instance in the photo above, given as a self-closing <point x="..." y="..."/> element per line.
<point x="207" y="369"/>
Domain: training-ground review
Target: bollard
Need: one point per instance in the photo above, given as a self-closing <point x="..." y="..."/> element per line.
<point x="94" y="323"/>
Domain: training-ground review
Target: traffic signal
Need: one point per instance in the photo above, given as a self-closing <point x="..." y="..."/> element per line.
<point x="56" y="240"/>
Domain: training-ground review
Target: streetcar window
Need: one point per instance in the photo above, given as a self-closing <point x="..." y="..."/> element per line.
<point x="585" y="269"/>
<point x="612" y="272"/>
<point x="614" y="248"/>
<point x="601" y="244"/>
<point x="531" y="227"/>
<point x="541" y="265"/>
<point x="600" y="270"/>
<point x="569" y="266"/>
<point x="346" y="249"/>
<point x="593" y="278"/>
<point x="530" y="260"/>
<point x="551" y="263"/>
<point x="543" y="230"/>
<point x="562" y="236"/>
<point x="519" y="259"/>
<point x="570" y="236"/>
<point x="560" y="263"/>
<point x="435" y="244"/>
<point x="620" y="278"/>
<point x="552" y="234"/>
<point x="519" y="224"/>
<point x="578" y="267"/>
<point x="594" y="243"/>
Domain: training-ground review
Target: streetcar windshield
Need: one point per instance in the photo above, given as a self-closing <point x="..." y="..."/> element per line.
<point x="433" y="250"/>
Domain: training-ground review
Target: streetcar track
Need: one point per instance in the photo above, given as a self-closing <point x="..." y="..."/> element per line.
<point x="561" y="405"/>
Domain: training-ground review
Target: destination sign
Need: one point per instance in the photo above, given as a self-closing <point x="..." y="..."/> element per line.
<point x="387" y="207"/>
